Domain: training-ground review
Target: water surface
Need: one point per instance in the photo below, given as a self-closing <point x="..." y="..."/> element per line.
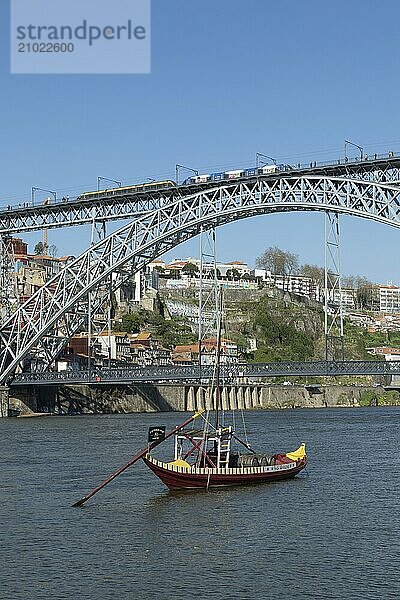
<point x="330" y="533"/>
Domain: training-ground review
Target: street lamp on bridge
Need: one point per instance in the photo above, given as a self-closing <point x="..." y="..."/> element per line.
<point x="118" y="183"/>
<point x="178" y="168"/>
<point x="38" y="189"/>
<point x="347" y="142"/>
<point x="260" y="155"/>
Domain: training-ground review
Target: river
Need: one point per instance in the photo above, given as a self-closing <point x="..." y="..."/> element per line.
<point x="332" y="532"/>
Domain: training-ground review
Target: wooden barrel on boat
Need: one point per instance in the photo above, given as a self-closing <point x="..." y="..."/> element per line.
<point x="255" y="460"/>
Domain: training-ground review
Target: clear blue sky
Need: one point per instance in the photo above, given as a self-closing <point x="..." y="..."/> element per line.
<point x="229" y="78"/>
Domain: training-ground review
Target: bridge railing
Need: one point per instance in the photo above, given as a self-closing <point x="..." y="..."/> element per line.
<point x="229" y="373"/>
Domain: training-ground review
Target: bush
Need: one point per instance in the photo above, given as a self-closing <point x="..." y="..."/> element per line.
<point x="368" y="398"/>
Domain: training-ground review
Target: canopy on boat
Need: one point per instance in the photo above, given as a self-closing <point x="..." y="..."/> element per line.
<point x="297" y="454"/>
<point x="180" y="463"/>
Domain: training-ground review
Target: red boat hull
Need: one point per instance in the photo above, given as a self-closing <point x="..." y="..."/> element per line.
<point x="180" y="478"/>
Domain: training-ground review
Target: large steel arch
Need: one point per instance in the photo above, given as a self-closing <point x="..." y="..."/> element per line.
<point x="43" y="324"/>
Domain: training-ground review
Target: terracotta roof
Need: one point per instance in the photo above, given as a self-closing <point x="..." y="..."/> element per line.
<point x="187" y="348"/>
<point x="143" y="335"/>
<point x="177" y="264"/>
<point x="178" y="359"/>
<point x="384" y="350"/>
<point x="116" y="333"/>
<point x="39" y="256"/>
<point x="64" y="258"/>
<point x="214" y="341"/>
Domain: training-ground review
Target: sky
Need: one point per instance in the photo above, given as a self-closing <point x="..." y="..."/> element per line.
<point x="228" y="79"/>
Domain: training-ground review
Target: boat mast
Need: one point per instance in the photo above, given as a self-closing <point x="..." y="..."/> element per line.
<point x="218" y="358"/>
<point x="208" y="314"/>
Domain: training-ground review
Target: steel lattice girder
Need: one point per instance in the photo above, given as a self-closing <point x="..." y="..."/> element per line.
<point x="44" y="323"/>
<point x="127" y="206"/>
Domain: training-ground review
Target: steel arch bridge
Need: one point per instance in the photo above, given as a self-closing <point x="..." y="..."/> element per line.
<point x="45" y="322"/>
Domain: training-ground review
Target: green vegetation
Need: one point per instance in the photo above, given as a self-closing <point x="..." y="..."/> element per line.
<point x="368" y="398"/>
<point x="357" y="339"/>
<point x="278" y="340"/>
<point x="282" y="331"/>
<point x="372" y="398"/>
<point x="170" y="332"/>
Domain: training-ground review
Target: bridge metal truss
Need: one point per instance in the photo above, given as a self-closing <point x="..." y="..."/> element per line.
<point x="43" y="324"/>
<point x="334" y="340"/>
<point x="229" y="373"/>
<point x="126" y="206"/>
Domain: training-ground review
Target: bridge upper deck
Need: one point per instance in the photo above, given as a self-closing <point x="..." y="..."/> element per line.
<point x="128" y="204"/>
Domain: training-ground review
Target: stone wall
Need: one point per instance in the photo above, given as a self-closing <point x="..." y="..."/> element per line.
<point x="83" y="399"/>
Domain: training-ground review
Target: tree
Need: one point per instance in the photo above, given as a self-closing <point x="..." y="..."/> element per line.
<point x="233" y="274"/>
<point x="314" y="272"/>
<point x="364" y="289"/>
<point x="39" y="248"/>
<point x="190" y="269"/>
<point x="53" y="250"/>
<point x="278" y="261"/>
<point x="349" y="282"/>
<point x="247" y="277"/>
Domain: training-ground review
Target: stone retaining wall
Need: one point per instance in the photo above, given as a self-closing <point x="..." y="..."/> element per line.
<point x="95" y="399"/>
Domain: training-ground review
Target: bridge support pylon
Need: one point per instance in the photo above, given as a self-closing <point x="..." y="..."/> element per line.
<point x="4" y="400"/>
<point x="333" y="301"/>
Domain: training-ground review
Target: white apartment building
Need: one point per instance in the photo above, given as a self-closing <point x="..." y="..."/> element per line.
<point x="348" y="297"/>
<point x="295" y="284"/>
<point x="117" y="346"/>
<point x="389" y="298"/>
<point x="178" y="264"/>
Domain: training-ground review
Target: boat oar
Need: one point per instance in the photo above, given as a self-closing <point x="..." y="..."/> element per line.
<point x="135" y="458"/>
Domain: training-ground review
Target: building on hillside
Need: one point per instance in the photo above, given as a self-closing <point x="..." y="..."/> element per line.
<point x="115" y="347"/>
<point x="50" y="264"/>
<point x="77" y="351"/>
<point x="348" y="296"/>
<point x="241" y="267"/>
<point x="186" y="354"/>
<point x="32" y="271"/>
<point x="66" y="260"/>
<point x="361" y="319"/>
<point x="189" y="354"/>
<point x="386" y="352"/>
<point x="72" y="362"/>
<point x="177" y="267"/>
<point x="389" y="298"/>
<point x="186" y="282"/>
<point x="145" y="350"/>
<point x="295" y="284"/>
<point x="157" y="264"/>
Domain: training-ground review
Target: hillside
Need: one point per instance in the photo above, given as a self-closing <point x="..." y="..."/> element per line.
<point x="283" y="327"/>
